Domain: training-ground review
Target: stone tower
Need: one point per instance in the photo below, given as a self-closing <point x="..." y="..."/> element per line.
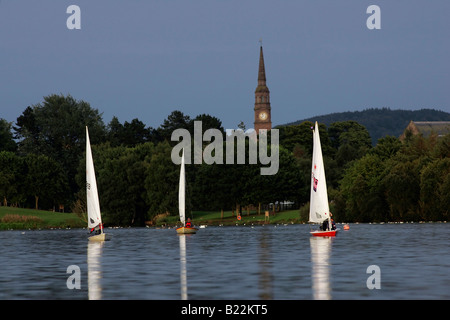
<point x="262" y="98"/>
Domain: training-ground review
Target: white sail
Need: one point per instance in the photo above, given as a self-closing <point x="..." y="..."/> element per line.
<point x="181" y="192"/>
<point x="93" y="204"/>
<point x="319" y="209"/>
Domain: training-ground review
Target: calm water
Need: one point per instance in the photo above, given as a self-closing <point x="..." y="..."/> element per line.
<point x="261" y="262"/>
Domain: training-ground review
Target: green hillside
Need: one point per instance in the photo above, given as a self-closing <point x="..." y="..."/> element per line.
<point x="381" y="122"/>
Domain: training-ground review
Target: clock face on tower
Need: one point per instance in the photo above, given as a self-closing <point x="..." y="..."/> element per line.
<point x="263" y="116"/>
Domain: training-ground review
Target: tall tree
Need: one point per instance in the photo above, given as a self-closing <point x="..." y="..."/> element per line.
<point x="7" y="142"/>
<point x="56" y="128"/>
<point x="434" y="189"/>
<point x="45" y="180"/>
<point x="114" y="132"/>
<point x="129" y="134"/>
<point x="387" y="147"/>
<point x="208" y="122"/>
<point x="350" y="139"/>
<point x="161" y="183"/>
<point x="298" y="136"/>
<point x="176" y="120"/>
<point x="28" y="132"/>
<point x="402" y="187"/>
<point x="362" y="189"/>
<point x="11" y="178"/>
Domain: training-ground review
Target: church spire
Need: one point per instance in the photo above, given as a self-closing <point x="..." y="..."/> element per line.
<point x="263" y="119"/>
<point x="262" y="71"/>
<point x="262" y="86"/>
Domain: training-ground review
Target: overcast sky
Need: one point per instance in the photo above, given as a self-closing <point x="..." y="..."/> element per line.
<point x="144" y="59"/>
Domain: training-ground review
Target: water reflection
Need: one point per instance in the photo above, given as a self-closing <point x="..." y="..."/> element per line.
<point x="183" y="272"/>
<point x="94" y="253"/>
<point x="265" y="274"/>
<point x="320" y="255"/>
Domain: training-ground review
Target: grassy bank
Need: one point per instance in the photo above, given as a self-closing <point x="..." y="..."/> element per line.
<point x="18" y="218"/>
<point x="216" y="218"/>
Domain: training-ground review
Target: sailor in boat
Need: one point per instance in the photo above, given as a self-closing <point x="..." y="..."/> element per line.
<point x="188" y="223"/>
<point x="333" y="225"/>
<point x="97" y="229"/>
<point x="324" y="226"/>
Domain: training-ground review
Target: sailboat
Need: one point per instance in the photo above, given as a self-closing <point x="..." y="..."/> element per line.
<point x="319" y="211"/>
<point x="93" y="204"/>
<point x="181" y="201"/>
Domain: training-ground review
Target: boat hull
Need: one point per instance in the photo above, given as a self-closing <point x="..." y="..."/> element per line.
<point x="186" y="230"/>
<point x="100" y="237"/>
<point x="318" y="233"/>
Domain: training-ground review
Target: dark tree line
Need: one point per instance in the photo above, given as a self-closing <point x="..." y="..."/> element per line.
<point x="397" y="181"/>
<point x="42" y="165"/>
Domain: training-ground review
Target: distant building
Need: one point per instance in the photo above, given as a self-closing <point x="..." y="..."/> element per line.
<point x="425" y="128"/>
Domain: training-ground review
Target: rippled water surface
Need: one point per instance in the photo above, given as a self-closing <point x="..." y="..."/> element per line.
<point x="261" y="262"/>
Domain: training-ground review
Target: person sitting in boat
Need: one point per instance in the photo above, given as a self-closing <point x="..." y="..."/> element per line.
<point x="96" y="229"/>
<point x="324" y="226"/>
<point x="188" y="223"/>
<point x="333" y="225"/>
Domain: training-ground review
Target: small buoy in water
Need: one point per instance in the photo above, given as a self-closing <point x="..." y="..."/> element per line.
<point x="346" y="227"/>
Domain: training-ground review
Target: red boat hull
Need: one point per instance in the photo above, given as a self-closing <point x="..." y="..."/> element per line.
<point x="331" y="233"/>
